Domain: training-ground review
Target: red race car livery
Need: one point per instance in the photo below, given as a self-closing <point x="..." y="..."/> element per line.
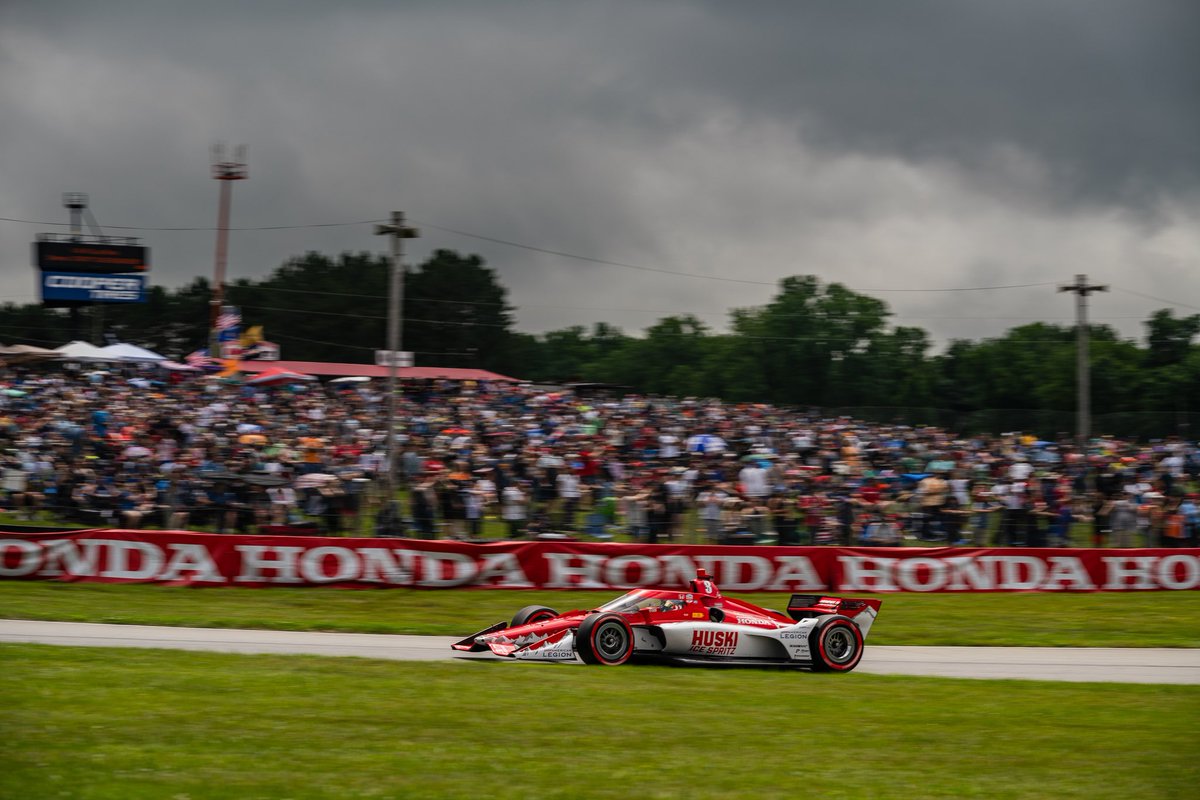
<point x="696" y="626"/>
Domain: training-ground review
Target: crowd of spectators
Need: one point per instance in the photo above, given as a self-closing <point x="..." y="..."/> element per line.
<point x="485" y="461"/>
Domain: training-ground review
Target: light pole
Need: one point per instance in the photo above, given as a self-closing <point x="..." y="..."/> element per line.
<point x="399" y="232"/>
<point x="226" y="171"/>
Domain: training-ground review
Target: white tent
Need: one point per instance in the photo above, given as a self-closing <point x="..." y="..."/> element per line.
<point x="82" y="351"/>
<point x="123" y="351"/>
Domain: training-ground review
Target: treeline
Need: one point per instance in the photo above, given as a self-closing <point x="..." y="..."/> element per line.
<point x="813" y="344"/>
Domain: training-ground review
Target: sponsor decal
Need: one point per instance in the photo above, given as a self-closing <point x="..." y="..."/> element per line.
<point x="743" y="619"/>
<point x="697" y="615"/>
<point x="801" y="634"/>
<point x="714" y="643"/>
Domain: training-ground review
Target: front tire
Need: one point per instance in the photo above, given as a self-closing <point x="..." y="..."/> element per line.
<point x="530" y="614"/>
<point x="836" y="645"/>
<point x="604" y="639"/>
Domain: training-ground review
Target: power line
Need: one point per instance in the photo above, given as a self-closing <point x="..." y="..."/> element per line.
<point x="681" y="273"/>
<point x="205" y="228"/>
<point x="1157" y="299"/>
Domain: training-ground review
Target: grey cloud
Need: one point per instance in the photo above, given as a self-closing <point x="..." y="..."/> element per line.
<point x="879" y="144"/>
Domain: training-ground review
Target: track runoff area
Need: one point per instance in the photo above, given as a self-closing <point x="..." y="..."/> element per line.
<point x="1106" y="665"/>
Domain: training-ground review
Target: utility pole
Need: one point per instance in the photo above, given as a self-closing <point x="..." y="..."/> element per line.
<point x="1083" y="412"/>
<point x="226" y="171"/>
<point x="399" y="232"/>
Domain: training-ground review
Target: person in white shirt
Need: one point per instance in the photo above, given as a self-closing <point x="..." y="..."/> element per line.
<point x="567" y="483"/>
<point x="514" y="508"/>
<point x="753" y="479"/>
<point x="711" y="501"/>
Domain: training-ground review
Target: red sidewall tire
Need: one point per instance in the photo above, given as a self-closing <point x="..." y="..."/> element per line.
<point x="837" y="646"/>
<point x="604" y="639"/>
<point x="530" y="614"/>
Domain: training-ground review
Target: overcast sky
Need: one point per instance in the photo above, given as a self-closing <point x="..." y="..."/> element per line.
<point x="918" y="146"/>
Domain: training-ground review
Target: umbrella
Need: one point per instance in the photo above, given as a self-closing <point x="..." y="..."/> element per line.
<point x="314" y="479"/>
<point x="140" y="383"/>
<point x="14" y="393"/>
<point x="136" y="451"/>
<point x="351" y="379"/>
<point x="252" y="438"/>
<point x="456" y="431"/>
<point x="255" y="479"/>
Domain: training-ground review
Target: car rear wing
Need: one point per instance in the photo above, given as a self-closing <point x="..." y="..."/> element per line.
<point x="803" y="606"/>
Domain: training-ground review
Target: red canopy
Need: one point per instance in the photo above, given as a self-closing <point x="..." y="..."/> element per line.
<point x="336" y="370"/>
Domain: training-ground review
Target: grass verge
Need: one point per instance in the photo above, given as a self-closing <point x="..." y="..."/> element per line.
<point x="1119" y="619"/>
<point x="98" y="724"/>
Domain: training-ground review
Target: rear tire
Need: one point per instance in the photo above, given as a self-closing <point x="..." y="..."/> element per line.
<point x="530" y="614"/>
<point x="836" y="645"/>
<point x="604" y="639"/>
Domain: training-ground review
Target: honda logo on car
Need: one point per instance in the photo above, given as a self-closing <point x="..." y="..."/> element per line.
<point x="714" y="643"/>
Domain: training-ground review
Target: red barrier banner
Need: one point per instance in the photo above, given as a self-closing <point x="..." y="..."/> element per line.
<point x="179" y="558"/>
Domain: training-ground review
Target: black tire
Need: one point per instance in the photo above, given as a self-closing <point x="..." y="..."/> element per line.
<point x="836" y="645"/>
<point x="530" y="614"/>
<point x="604" y="639"/>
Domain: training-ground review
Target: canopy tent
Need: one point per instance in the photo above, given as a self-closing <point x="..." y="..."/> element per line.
<point x="123" y="351"/>
<point x="82" y="351"/>
<point x="24" y="353"/>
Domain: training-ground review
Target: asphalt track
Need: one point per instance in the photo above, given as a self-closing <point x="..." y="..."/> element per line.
<point x="1078" y="664"/>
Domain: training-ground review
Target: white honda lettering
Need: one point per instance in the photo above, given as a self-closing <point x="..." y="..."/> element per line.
<point x="617" y="571"/>
<point x="1069" y="572"/>
<point x="345" y="561"/>
<point x="971" y="574"/>
<point x="257" y="558"/>
<point x="28" y="560"/>
<point x="502" y="569"/>
<point x="571" y="571"/>
<point x="446" y="569"/>
<point x="192" y="558"/>
<point x="756" y="568"/>
<point x="121" y="558"/>
<point x="1187" y="566"/>
<point x="795" y="573"/>
<point x="1021" y="573"/>
<point x="909" y="574"/>
<point x="1121" y="568"/>
<point x="385" y="565"/>
<point x="677" y="570"/>
<point x="866" y="574"/>
<point x="79" y="558"/>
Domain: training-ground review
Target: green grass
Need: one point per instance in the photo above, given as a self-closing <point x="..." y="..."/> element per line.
<point x="96" y="724"/>
<point x="1101" y="619"/>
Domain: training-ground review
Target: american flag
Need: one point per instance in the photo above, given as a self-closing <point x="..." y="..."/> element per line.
<point x="200" y="358"/>
<point x="229" y="317"/>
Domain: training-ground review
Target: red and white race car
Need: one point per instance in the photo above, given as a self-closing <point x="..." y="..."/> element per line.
<point x="697" y="626"/>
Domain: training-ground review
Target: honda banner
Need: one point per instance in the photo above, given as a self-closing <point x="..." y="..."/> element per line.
<point x="199" y="559"/>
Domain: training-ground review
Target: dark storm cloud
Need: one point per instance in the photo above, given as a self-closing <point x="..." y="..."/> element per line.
<point x="883" y="145"/>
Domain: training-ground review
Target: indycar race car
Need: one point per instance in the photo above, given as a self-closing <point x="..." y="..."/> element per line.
<point x="697" y="626"/>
